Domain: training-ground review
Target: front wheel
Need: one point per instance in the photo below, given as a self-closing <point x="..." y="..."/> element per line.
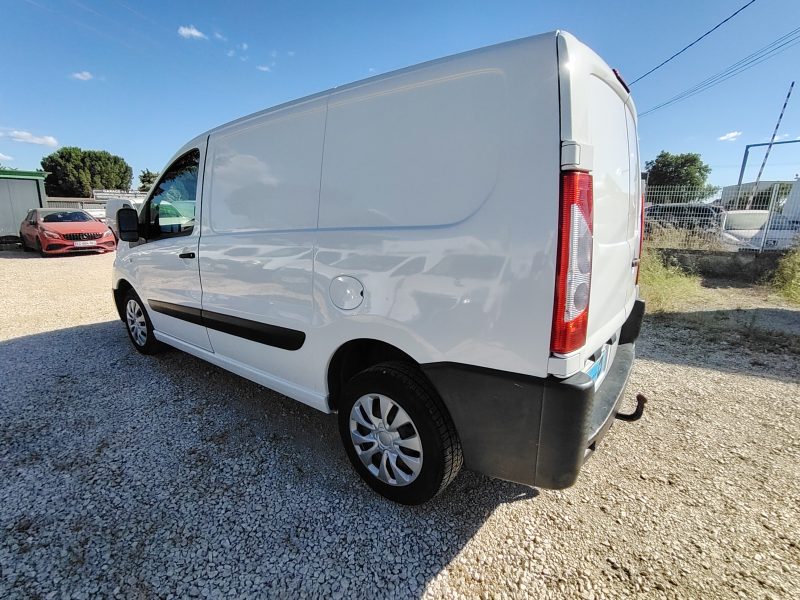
<point x="25" y="247"/>
<point x="397" y="433"/>
<point x="139" y="326"/>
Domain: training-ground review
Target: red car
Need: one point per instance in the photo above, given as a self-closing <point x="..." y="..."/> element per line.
<point x="64" y="231"/>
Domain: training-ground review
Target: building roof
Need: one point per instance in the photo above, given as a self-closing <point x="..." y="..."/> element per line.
<point x="14" y="174"/>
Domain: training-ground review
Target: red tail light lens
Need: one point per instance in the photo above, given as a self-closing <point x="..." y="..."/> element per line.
<point x="574" y="263"/>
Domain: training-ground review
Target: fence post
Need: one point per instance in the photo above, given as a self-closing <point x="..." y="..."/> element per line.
<point x="768" y="225"/>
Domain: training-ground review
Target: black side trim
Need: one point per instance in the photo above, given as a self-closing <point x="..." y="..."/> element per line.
<point x="255" y="331"/>
<point x="185" y="313"/>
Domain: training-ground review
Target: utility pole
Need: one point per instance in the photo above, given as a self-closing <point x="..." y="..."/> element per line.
<point x="769" y="147"/>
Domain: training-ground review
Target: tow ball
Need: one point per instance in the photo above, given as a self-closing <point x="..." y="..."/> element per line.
<point x="636" y="414"/>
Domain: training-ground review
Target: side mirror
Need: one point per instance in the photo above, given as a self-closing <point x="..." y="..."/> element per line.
<point x="128" y="225"/>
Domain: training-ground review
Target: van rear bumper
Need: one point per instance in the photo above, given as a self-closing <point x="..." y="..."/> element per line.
<point x="532" y="430"/>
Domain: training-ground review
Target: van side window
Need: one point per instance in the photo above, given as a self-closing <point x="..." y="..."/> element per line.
<point x="170" y="210"/>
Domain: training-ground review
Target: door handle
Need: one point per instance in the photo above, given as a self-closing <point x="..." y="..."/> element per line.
<point x="186" y="255"/>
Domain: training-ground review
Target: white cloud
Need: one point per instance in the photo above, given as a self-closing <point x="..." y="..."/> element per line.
<point x="5" y="157"/>
<point x="82" y="76"/>
<point x="243" y="58"/>
<point x="264" y="68"/>
<point x="190" y="32"/>
<point x="781" y="136"/>
<point x="231" y="53"/>
<point x="290" y="53"/>
<point x="243" y="46"/>
<point x="274" y="54"/>
<point x="731" y="136"/>
<point x="220" y="37"/>
<point x="28" y="138"/>
<point x="371" y="70"/>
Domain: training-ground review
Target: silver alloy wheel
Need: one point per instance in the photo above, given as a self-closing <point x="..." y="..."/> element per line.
<point x="137" y="325"/>
<point x="386" y="439"/>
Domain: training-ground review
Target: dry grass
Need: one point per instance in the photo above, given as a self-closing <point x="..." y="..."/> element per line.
<point x="684" y="239"/>
<point x="751" y="316"/>
<point x="786" y="279"/>
<point x="665" y="287"/>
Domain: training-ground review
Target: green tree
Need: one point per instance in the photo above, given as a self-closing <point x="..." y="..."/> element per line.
<point x="146" y="179"/>
<point x="75" y="172"/>
<point x="677" y="169"/>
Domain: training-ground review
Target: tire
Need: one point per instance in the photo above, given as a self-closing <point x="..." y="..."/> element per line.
<point x="39" y="248"/>
<point x="25" y="247"/>
<point x="387" y="460"/>
<point x="138" y="325"/>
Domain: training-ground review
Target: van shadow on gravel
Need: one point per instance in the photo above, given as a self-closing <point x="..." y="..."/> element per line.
<point x="158" y="475"/>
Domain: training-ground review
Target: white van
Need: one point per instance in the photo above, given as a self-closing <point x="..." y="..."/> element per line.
<point x="445" y="255"/>
<point x="755" y="229"/>
<point x="113" y="205"/>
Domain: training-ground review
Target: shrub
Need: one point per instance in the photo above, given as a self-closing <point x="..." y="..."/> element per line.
<point x="787" y="276"/>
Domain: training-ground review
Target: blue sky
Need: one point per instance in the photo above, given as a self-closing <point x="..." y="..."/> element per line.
<point x="139" y="78"/>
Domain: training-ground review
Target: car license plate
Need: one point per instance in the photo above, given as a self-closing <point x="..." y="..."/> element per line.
<point x="599" y="366"/>
<point x="82" y="243"/>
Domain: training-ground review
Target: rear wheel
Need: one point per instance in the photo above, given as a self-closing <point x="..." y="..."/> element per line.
<point x="397" y="433"/>
<point x="139" y="326"/>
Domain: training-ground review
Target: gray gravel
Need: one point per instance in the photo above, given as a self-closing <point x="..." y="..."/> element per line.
<point x="122" y="475"/>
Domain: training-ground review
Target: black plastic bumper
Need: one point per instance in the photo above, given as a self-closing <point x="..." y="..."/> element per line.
<point x="530" y="430"/>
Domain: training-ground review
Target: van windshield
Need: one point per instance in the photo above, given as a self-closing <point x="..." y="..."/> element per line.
<point x="745" y="221"/>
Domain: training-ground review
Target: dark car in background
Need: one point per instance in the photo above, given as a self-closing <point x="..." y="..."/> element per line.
<point x="686" y="216"/>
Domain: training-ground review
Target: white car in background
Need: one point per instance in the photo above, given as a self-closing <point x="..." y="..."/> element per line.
<point x="745" y="230"/>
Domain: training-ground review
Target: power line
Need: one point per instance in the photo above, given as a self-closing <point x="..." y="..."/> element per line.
<point x="717" y="26"/>
<point x="771" y="50"/>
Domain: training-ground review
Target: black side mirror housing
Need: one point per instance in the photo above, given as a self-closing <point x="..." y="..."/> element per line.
<point x="128" y="225"/>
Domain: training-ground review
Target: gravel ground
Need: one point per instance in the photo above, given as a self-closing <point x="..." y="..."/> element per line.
<point x="147" y="477"/>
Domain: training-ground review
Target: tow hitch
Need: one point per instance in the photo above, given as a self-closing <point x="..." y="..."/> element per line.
<point x="636" y="414"/>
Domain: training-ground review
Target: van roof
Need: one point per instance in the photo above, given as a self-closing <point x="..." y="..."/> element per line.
<point x="360" y="82"/>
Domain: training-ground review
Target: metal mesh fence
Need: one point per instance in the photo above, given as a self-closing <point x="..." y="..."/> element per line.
<point x="732" y="218"/>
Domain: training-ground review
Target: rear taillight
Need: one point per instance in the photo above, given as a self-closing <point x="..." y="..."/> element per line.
<point x="574" y="263"/>
<point x="641" y="239"/>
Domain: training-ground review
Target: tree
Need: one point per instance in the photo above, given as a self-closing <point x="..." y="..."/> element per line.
<point x="677" y="169"/>
<point x="75" y="172"/>
<point x="146" y="179"/>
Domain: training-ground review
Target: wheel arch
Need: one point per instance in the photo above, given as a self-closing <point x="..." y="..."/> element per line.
<point x="119" y="291"/>
<point x="353" y="357"/>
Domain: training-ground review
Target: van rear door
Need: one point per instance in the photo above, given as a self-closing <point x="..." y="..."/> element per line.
<point x="598" y="129"/>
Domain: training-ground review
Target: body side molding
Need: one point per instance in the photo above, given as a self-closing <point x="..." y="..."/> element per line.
<point x="255" y="331"/>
